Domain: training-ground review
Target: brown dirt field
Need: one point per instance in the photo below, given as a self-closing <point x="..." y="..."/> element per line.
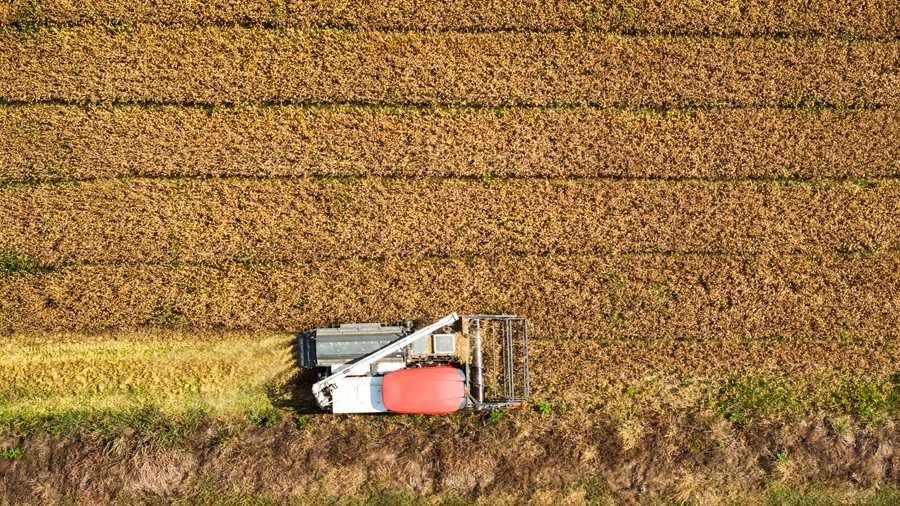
<point x="212" y="221"/>
<point x="872" y="19"/>
<point x="240" y="65"/>
<point x="644" y="296"/>
<point x="53" y="142"/>
<point x="523" y="457"/>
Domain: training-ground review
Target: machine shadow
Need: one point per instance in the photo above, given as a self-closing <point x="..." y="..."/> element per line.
<point x="295" y="394"/>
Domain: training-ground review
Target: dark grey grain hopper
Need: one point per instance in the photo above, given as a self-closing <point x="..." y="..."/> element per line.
<point x="327" y="348"/>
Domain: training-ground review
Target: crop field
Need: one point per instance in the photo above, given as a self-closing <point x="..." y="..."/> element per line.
<point x="48" y="142"/>
<point x="240" y="65"/>
<point x="872" y="19"/>
<point x="697" y="206"/>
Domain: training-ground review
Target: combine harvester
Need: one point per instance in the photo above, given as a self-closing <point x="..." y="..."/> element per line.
<point x="441" y="368"/>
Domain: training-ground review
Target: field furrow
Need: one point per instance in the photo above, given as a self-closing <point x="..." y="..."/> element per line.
<point x="52" y="142"/>
<point x="649" y="297"/>
<point x="252" y="221"/>
<point x="249" y="65"/>
<point x="871" y="19"/>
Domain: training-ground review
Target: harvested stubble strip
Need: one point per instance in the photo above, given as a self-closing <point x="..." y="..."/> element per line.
<point x="53" y="142"/>
<point x="227" y="373"/>
<point x="871" y="19"/>
<point x="656" y="297"/>
<point x="250" y="65"/>
<point x="252" y="221"/>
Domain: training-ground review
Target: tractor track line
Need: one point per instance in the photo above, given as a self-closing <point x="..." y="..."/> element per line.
<point x="426" y="108"/>
<point x="250" y="266"/>
<point x="327" y="179"/>
<point x="810" y="35"/>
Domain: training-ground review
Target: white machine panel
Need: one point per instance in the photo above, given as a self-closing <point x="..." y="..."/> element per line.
<point x="386" y="367"/>
<point x="444" y="344"/>
<point x="358" y="394"/>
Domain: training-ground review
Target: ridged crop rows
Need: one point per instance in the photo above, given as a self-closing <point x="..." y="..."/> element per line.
<point x="695" y="204"/>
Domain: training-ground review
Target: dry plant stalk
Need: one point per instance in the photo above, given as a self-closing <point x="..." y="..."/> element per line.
<point x="703" y="297"/>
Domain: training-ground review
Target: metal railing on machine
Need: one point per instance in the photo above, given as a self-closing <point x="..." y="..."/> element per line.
<point x="506" y="359"/>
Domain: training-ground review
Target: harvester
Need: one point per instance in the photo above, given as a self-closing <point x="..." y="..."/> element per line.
<point x="470" y="363"/>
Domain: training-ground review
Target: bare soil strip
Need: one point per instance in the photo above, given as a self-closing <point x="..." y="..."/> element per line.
<point x="654" y="297"/>
<point x="523" y="458"/>
<point x="239" y="65"/>
<point x="53" y="142"/>
<point x="872" y="19"/>
<point x="252" y="221"/>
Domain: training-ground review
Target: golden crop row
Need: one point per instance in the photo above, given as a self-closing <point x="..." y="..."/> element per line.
<point x="226" y="373"/>
<point x="253" y="221"/>
<point x="213" y="65"/>
<point x="820" y="298"/>
<point x="716" y="17"/>
<point x="52" y="142"/>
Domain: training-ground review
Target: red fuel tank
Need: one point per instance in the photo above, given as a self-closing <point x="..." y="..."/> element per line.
<point x="426" y="390"/>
